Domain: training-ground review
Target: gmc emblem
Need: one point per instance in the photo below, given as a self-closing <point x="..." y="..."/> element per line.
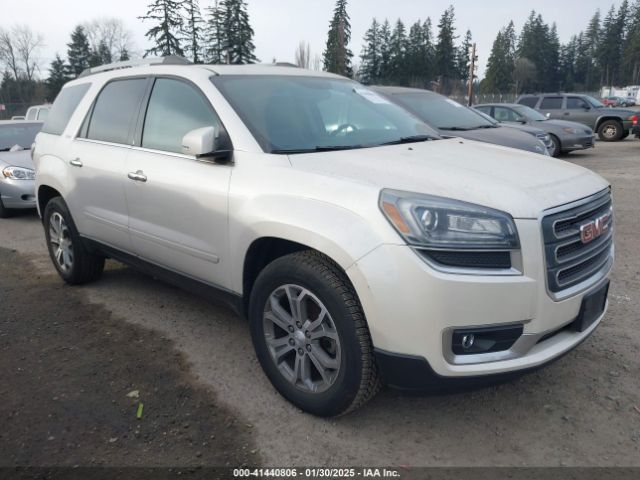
<point x="592" y="230"/>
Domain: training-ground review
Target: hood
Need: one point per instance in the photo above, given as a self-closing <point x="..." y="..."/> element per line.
<point x="21" y="158"/>
<point x="529" y="128"/>
<point x="520" y="183"/>
<point x="508" y="137"/>
<point x="564" y="124"/>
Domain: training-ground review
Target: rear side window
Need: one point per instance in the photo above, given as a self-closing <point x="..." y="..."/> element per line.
<point x="63" y="107"/>
<point x="576" y="103"/>
<point x="175" y="108"/>
<point x="116" y="110"/>
<point x="528" y="101"/>
<point x="485" y="110"/>
<point x="551" y="103"/>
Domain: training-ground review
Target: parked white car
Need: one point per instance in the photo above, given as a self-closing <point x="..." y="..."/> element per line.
<point x="362" y="248"/>
<point x="38" y="113"/>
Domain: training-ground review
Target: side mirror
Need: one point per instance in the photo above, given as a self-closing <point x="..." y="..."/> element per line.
<point x="548" y="115"/>
<point x="207" y="142"/>
<point x="587" y="107"/>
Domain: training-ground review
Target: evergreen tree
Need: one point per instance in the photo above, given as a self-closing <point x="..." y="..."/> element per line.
<point x="398" y="47"/>
<point x="124" y="55"/>
<point x="371" y="55"/>
<point x="611" y="46"/>
<point x="589" y="52"/>
<point x="445" y="56"/>
<point x="237" y="33"/>
<point x="168" y="25"/>
<point x="416" y="56"/>
<point x="337" y="55"/>
<point x="632" y="47"/>
<point x="58" y="76"/>
<point x="78" y="52"/>
<point x="539" y="44"/>
<point x="499" y="74"/>
<point x="214" y="34"/>
<point x="101" y="55"/>
<point x="464" y="57"/>
<point x="385" y="51"/>
<point x="193" y="30"/>
<point x="568" y="63"/>
<point x="428" y="52"/>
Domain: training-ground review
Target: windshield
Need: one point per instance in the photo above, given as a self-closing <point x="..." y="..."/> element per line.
<point x="530" y="113"/>
<point x="593" y="101"/>
<point x="290" y="114"/>
<point x="442" y="112"/>
<point x="23" y="134"/>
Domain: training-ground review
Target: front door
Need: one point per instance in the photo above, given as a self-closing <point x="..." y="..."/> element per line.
<point x="177" y="203"/>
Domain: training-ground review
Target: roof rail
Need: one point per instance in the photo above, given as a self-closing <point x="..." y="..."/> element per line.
<point x="283" y="64"/>
<point x="169" y="60"/>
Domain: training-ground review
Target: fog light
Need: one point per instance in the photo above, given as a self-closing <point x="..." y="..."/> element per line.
<point x="472" y="341"/>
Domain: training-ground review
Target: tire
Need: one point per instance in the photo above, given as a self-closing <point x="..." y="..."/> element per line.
<point x="557" y="149"/>
<point x="610" y="131"/>
<point x="341" y="342"/>
<point x="69" y="256"/>
<point x="4" y="212"/>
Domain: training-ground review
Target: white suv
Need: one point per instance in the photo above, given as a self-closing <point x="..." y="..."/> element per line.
<point x="363" y="249"/>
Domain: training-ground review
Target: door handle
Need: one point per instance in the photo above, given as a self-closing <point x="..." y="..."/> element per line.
<point x="138" y="176"/>
<point x="567" y="113"/>
<point x="75" y="162"/>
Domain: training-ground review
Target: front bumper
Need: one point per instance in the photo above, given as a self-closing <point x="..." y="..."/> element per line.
<point x="411" y="307"/>
<point x="577" y="142"/>
<point x="18" y="193"/>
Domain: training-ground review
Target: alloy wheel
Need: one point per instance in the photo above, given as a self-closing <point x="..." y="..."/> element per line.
<point x="60" y="240"/>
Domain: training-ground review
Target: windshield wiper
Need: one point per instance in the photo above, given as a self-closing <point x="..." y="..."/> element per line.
<point x="484" y="126"/>
<point x="320" y="148"/>
<point x="456" y="129"/>
<point x="411" y="139"/>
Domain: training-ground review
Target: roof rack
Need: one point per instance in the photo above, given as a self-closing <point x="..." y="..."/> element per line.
<point x="168" y="60"/>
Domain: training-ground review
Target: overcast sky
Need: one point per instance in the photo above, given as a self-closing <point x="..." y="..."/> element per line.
<point x="281" y="24"/>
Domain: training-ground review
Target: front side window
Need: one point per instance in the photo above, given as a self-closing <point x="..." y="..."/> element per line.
<point x="296" y="114"/>
<point x="175" y="108"/>
<point x="115" y="111"/>
<point x="551" y="103"/>
<point x="63" y="107"/>
<point x="576" y="103"/>
<point x="503" y="114"/>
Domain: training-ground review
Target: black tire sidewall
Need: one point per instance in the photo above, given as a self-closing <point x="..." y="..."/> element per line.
<point x="345" y="388"/>
<point x="615" y="138"/>
<point x="556" y="143"/>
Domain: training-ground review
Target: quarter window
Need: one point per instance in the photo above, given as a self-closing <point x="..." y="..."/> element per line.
<point x="115" y="111"/>
<point x="63" y="108"/>
<point x="551" y="103"/>
<point x="175" y="108"/>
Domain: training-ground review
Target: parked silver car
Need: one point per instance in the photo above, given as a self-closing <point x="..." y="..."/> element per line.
<point x="566" y="136"/>
<point x="17" y="181"/>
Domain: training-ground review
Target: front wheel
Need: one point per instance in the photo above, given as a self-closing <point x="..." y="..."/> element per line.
<point x="311" y="336"/>
<point x="555" y="149"/>
<point x="70" y="257"/>
<point x="4" y="212"/>
<point x="610" y="131"/>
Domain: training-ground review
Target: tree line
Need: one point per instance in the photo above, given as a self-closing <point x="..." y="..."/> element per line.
<point x="605" y="53"/>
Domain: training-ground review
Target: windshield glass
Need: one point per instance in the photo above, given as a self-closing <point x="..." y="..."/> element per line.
<point x="290" y="114"/>
<point x="23" y="134"/>
<point x="442" y="112"/>
<point x="530" y="113"/>
<point x="593" y="101"/>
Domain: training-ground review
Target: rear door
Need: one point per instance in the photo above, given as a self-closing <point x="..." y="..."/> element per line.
<point x="177" y="203"/>
<point x="97" y="163"/>
<point x="552" y="106"/>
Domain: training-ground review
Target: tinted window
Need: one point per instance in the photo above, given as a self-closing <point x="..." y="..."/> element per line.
<point x="62" y="109"/>
<point x="551" y="103"/>
<point x="299" y="114"/>
<point x="115" y="110"/>
<point x="186" y="108"/>
<point x="19" y="133"/>
<point x="576" y="103"/>
<point x="528" y="101"/>
<point x="503" y="114"/>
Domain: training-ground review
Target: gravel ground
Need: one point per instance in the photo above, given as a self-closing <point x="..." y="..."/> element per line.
<point x="582" y="410"/>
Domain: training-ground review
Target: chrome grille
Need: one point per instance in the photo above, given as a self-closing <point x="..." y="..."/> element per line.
<point x="571" y="262"/>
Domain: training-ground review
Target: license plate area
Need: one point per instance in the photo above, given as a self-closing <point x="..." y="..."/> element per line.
<point x="591" y="308"/>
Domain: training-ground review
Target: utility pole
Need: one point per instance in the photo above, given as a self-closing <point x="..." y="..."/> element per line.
<point x="472" y="72"/>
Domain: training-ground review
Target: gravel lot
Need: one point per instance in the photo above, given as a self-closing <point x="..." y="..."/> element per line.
<point x="581" y="410"/>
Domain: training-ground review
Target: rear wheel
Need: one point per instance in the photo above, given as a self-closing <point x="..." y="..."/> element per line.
<point x="310" y="335"/>
<point x="70" y="257"/>
<point x="610" y="131"/>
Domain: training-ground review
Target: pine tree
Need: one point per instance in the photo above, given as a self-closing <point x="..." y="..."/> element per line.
<point x="590" y="48"/>
<point x="193" y="30"/>
<point x="398" y="54"/>
<point x="445" y="57"/>
<point x="611" y="46"/>
<point x="415" y="57"/>
<point x="78" y="52"/>
<point x="214" y="34"/>
<point x="464" y="57"/>
<point x="632" y="47"/>
<point x="58" y="76"/>
<point x="499" y="74"/>
<point x="385" y="54"/>
<point x="124" y="55"/>
<point x="101" y="55"/>
<point x="168" y="26"/>
<point x="237" y="33"/>
<point x="337" y="55"/>
<point x="371" y="55"/>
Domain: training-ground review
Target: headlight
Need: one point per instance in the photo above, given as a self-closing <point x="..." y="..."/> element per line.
<point x="572" y="131"/>
<point x="441" y="223"/>
<point x="19" y="173"/>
